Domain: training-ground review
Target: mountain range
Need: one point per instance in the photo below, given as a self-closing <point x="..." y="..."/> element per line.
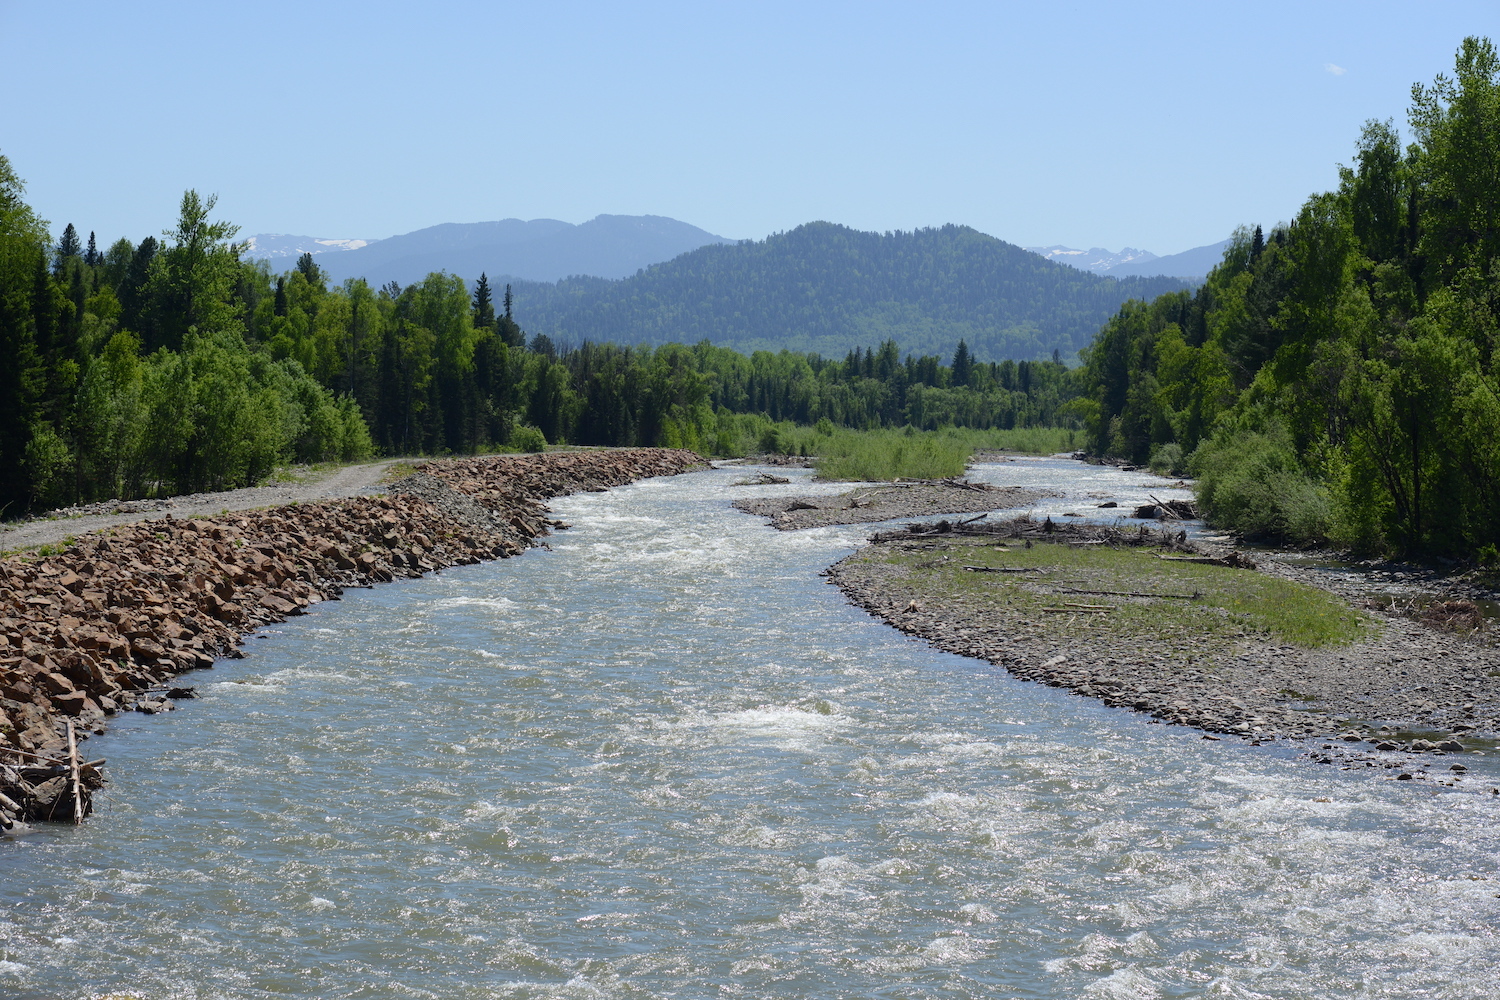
<point x="1194" y="263"/>
<point x="821" y="287"/>
<point x="609" y="246"/>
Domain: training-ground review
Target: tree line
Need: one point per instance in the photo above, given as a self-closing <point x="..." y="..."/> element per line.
<point x="1335" y="378"/>
<point x="175" y="365"/>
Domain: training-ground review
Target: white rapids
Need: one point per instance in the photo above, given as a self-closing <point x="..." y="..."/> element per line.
<point x="666" y="759"/>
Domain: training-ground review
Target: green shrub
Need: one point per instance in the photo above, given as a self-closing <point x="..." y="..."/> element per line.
<point x="1168" y="460"/>
<point x="1250" y="482"/>
<point x="527" y="438"/>
<point x="49" y="464"/>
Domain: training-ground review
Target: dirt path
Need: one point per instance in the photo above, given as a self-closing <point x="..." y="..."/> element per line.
<point x="350" y="480"/>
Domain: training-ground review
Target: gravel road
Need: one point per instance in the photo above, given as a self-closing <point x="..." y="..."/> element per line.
<point x="350" y="480"/>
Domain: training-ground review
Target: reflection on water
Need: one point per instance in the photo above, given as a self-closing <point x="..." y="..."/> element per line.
<point x="666" y="759"/>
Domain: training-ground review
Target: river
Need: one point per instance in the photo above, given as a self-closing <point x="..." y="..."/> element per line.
<point x="665" y="759"/>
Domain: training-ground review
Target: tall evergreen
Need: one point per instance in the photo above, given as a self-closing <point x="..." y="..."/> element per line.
<point x="67" y="248"/>
<point x="963" y="364"/>
<point x="91" y="255"/>
<point x="484" y="308"/>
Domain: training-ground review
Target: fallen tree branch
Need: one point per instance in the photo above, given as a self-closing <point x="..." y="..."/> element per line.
<point x="1003" y="569"/>
<point x="1195" y="595"/>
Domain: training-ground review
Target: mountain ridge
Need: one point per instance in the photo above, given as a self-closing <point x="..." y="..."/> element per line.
<point x="827" y="288"/>
<point x="1194" y="264"/>
<point x="606" y="246"/>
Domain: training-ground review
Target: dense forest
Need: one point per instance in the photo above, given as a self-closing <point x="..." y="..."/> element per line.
<point x="173" y="365"/>
<point x="1336" y="377"/>
<point x="826" y="288"/>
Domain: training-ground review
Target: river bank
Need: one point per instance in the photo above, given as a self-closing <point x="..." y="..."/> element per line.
<point x="103" y="626"/>
<point x="1399" y="687"/>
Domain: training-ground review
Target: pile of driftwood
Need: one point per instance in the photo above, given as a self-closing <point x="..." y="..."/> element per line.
<point x="55" y="786"/>
<point x="954" y="482"/>
<point x="1028" y="530"/>
<point x="1166" y="510"/>
<point x="1454" y="616"/>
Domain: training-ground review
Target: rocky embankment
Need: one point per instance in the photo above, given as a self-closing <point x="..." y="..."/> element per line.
<point x="1409" y="690"/>
<point x="870" y="504"/>
<point x="105" y="626"/>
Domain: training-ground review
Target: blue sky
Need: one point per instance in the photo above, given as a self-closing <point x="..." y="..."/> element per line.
<point x="1159" y="125"/>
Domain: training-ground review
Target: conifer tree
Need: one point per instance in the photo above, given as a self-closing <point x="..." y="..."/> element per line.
<point x="91" y="255"/>
<point x="68" y="247"/>
<point x="311" y="271"/>
<point x="484" y="308"/>
<point x="963" y="364"/>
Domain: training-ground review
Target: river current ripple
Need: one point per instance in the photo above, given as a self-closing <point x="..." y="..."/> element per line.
<point x="665" y="759"/>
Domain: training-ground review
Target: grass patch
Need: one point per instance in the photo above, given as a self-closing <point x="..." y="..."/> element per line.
<point x="398" y="470"/>
<point x="43" y="551"/>
<point x="874" y="456"/>
<point x="1233" y="603"/>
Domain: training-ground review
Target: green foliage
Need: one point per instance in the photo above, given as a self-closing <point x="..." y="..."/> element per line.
<point x="527" y="438"/>
<point x="49" y="465"/>
<point x="1252" y="482"/>
<point x="1168" y="460"/>
<point x="1338" y="377"/>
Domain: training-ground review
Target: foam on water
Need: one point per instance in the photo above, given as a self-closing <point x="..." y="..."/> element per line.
<point x="666" y="759"/>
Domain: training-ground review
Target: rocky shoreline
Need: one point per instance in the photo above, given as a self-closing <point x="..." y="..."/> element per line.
<point x="885" y="502"/>
<point x="1408" y="691"/>
<point x="105" y="625"/>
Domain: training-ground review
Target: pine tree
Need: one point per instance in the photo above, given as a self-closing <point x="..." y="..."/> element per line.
<point x="67" y="248"/>
<point x="484" y="308"/>
<point x="963" y="364"/>
<point x="507" y="304"/>
<point x="311" y="271"/>
<point x="132" y="290"/>
<point x="1257" y="245"/>
<point x="91" y="255"/>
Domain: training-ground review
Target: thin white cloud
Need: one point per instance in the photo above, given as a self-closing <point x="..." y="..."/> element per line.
<point x="1335" y="69"/>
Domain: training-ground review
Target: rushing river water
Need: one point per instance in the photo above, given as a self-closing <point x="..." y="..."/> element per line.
<point x="666" y="759"/>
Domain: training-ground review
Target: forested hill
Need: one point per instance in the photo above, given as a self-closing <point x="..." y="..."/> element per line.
<point x="828" y="289"/>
